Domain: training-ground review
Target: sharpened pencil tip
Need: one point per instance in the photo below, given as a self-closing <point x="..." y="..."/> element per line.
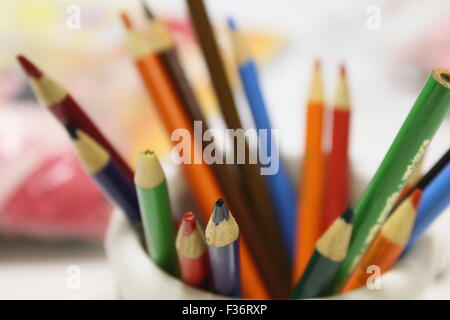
<point x="188" y="224"/>
<point x="416" y="195"/>
<point x="126" y="20"/>
<point x="30" y="69"/>
<point x="231" y="23"/>
<point x="72" y="130"/>
<point x="220" y="212"/>
<point x="147" y="10"/>
<point x="347" y="216"/>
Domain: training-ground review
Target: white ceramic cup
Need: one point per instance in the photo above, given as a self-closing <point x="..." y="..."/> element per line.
<point x="138" y="277"/>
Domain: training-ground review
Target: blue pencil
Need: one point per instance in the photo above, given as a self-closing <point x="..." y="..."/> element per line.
<point x="98" y="163"/>
<point x="435" y="198"/>
<point x="279" y="184"/>
<point x="222" y="237"/>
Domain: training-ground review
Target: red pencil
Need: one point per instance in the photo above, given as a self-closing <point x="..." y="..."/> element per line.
<point x="66" y="109"/>
<point x="192" y="252"/>
<point x="337" y="190"/>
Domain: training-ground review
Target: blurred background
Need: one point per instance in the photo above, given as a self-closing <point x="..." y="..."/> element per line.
<point x="53" y="218"/>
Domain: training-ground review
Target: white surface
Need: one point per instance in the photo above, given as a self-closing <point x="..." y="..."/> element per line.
<point x="330" y="29"/>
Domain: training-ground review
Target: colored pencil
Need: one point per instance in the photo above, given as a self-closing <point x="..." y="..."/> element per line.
<point x="435" y="198"/>
<point x="205" y="188"/>
<point x="311" y="194"/>
<point x="337" y="172"/>
<point x="388" y="244"/>
<point x="193" y="252"/>
<point x="156" y="214"/>
<point x="252" y="179"/>
<point x="252" y="287"/>
<point x="222" y="237"/>
<point x="330" y="250"/>
<point x="279" y="184"/>
<point x="406" y="151"/>
<point x="56" y="99"/>
<point x="98" y="163"/>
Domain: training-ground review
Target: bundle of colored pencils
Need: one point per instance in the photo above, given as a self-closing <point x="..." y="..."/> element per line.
<point x="261" y="241"/>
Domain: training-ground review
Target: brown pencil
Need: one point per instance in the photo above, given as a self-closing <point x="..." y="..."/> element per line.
<point x="253" y="181"/>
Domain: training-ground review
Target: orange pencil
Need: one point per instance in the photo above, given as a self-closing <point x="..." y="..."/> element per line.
<point x="200" y="178"/>
<point x="388" y="243"/>
<point x="311" y="194"/>
<point x="337" y="172"/>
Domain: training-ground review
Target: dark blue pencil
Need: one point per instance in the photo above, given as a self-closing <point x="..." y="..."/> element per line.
<point x="279" y="183"/>
<point x="98" y="163"/>
<point x="222" y="237"/>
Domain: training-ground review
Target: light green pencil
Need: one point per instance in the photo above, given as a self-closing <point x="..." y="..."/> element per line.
<point x="155" y="210"/>
<point x="405" y="153"/>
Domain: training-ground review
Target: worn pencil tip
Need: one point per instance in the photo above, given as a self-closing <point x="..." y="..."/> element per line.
<point x="126" y="20"/>
<point x="72" y="131"/>
<point x="30" y="69"/>
<point x="188" y="223"/>
<point x="220" y="212"/>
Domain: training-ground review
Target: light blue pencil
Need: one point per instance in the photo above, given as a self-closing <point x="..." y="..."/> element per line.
<point x="435" y="198"/>
<point x="279" y="184"/>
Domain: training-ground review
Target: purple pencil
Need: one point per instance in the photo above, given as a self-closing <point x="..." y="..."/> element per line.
<point x="222" y="237"/>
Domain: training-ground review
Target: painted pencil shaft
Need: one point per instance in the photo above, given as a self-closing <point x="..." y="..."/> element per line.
<point x="312" y="187"/>
<point x="98" y="163"/>
<point x="337" y="173"/>
<point x="435" y="198"/>
<point x="156" y="214"/>
<point x="279" y="183"/>
<point x="402" y="157"/>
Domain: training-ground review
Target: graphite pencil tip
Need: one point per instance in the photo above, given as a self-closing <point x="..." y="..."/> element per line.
<point x="220" y="212"/>
<point x="342" y="70"/>
<point x="126" y="20"/>
<point x="147" y="10"/>
<point x="416" y="195"/>
<point x="30" y="69"/>
<point x="188" y="224"/>
<point x="347" y="216"/>
<point x="232" y="23"/>
<point x="72" y="130"/>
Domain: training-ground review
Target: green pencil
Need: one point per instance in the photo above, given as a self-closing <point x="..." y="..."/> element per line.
<point x="330" y="250"/>
<point x="406" y="151"/>
<point x="156" y="215"/>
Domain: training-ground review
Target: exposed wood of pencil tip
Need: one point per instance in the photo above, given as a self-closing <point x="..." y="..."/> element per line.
<point x="398" y="226"/>
<point x="222" y="229"/>
<point x="333" y="244"/>
<point x="190" y="241"/>
<point x="92" y="155"/>
<point x="342" y="99"/>
<point x="149" y="172"/>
